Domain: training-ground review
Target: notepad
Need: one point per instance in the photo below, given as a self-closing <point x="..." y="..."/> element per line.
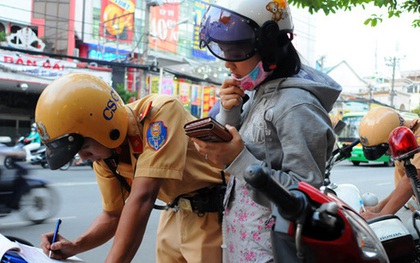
<point x="29" y="253"/>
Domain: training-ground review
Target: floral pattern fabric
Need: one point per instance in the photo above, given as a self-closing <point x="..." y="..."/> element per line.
<point x="247" y="226"/>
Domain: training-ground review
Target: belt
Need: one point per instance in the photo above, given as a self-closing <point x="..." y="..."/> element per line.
<point x="207" y="200"/>
<point x="197" y="205"/>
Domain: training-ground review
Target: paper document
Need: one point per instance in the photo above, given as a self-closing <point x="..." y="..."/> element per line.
<point x="29" y="253"/>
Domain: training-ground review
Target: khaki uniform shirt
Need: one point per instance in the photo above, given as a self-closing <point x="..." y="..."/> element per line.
<point x="159" y="148"/>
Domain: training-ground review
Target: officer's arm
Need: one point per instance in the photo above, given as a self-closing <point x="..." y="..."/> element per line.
<point x="398" y="197"/>
<point x="134" y="219"/>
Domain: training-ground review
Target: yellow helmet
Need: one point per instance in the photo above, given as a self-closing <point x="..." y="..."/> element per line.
<point x="375" y="128"/>
<point x="76" y="106"/>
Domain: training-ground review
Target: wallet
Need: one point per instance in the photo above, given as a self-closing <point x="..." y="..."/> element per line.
<point x="207" y="129"/>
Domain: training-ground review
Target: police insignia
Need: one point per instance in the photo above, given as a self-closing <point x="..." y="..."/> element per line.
<point x="157" y="133"/>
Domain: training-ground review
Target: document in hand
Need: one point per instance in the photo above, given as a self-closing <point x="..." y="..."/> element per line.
<point x="28" y="253"/>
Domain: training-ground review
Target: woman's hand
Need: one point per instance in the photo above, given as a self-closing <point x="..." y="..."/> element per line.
<point x="230" y="94"/>
<point x="221" y="153"/>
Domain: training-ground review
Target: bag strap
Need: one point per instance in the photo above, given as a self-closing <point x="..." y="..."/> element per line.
<point x="112" y="165"/>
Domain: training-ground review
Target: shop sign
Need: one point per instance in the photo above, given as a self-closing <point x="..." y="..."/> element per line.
<point x="117" y="20"/>
<point x="40" y="66"/>
<point x="164" y="32"/>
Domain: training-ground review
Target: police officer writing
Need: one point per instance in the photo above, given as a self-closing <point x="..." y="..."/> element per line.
<point x="374" y="131"/>
<point x="140" y="154"/>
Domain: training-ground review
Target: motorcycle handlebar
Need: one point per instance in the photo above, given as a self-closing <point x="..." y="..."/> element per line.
<point x="345" y="151"/>
<point x="289" y="206"/>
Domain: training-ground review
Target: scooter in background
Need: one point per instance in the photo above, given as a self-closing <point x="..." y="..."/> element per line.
<point x="18" y="154"/>
<point x="33" y="199"/>
<point x="15" y="154"/>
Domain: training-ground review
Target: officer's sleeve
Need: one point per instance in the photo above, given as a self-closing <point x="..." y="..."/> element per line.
<point x="165" y="142"/>
<point x="111" y="190"/>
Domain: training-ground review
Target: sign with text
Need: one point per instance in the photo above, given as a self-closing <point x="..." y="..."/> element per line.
<point x="45" y="68"/>
<point x="40" y="66"/>
<point x="164" y="32"/>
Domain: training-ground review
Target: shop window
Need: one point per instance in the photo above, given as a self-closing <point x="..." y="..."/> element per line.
<point x="15" y="29"/>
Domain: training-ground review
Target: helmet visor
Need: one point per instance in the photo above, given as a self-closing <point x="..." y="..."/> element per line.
<point x="61" y="150"/>
<point x="227" y="35"/>
<point x="375" y="152"/>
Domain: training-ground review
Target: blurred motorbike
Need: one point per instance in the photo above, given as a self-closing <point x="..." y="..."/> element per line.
<point x="33" y="199"/>
<point x="17" y="154"/>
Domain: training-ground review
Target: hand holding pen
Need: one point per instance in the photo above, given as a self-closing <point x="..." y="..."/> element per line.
<point x="54" y="239"/>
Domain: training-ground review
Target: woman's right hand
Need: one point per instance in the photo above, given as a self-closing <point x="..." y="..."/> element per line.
<point x="230" y="94"/>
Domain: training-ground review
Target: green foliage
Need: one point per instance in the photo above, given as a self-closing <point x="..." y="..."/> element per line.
<point x="124" y="94"/>
<point x="395" y="8"/>
<point x="416" y="111"/>
<point x="2" y="36"/>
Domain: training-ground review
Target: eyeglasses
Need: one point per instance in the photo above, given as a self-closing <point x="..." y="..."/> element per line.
<point x="228" y="35"/>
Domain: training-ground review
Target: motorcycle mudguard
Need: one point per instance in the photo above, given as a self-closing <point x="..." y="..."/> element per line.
<point x="395" y="238"/>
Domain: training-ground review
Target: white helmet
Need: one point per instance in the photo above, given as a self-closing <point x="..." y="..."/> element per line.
<point x="234" y="30"/>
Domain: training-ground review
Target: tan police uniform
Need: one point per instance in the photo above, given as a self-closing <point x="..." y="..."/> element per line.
<point x="159" y="148"/>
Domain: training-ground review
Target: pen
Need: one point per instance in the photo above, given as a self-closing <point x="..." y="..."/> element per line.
<point x="57" y="226"/>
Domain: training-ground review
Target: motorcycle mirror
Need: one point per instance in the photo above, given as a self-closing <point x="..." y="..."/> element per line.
<point x="339" y="126"/>
<point x="403" y="143"/>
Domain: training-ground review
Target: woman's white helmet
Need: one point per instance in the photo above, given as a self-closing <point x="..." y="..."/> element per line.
<point x="239" y="23"/>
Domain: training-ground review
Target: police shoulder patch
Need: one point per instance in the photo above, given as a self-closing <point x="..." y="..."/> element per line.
<point x="157" y="134"/>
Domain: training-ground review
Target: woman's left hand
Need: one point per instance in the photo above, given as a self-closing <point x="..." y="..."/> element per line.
<point x="221" y="153"/>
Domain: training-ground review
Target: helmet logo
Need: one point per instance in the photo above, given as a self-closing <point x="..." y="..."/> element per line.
<point x="42" y="130"/>
<point x="401" y="119"/>
<point x="278" y="8"/>
<point x="111" y="106"/>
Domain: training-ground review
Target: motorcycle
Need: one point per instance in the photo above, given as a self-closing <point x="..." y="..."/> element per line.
<point x="395" y="236"/>
<point x="33" y="199"/>
<point x="320" y="218"/>
<point x="17" y="154"/>
<point x="323" y="228"/>
<point x="346" y="192"/>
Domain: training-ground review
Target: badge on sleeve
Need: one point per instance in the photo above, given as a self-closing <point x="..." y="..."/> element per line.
<point x="157" y="133"/>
